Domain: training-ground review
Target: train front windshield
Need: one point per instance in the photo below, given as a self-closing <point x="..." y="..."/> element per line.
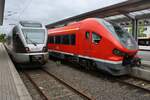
<point x="123" y="36"/>
<point x="34" y="36"/>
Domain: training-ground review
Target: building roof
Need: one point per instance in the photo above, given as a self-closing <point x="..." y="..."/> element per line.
<point x="117" y="9"/>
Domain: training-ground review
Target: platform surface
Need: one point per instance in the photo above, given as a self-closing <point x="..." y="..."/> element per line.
<point x="144" y="53"/>
<point x="143" y="72"/>
<point x="145" y="57"/>
<point x="11" y="85"/>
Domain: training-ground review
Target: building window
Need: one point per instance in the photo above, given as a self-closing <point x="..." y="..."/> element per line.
<point x="95" y="38"/>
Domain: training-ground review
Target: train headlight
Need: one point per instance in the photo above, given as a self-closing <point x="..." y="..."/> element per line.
<point x="45" y="49"/>
<point x="27" y="49"/>
<point x="118" y="52"/>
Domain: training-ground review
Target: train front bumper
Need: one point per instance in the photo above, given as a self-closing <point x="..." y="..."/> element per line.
<point x="113" y="69"/>
<point x="119" y="68"/>
<point x="31" y="57"/>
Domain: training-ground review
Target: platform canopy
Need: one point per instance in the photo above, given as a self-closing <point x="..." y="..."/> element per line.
<point x="117" y="9"/>
<point x="2" y="3"/>
<point x="144" y="14"/>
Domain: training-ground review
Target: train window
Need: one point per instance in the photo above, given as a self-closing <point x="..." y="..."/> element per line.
<point x="65" y="39"/>
<point x="87" y="35"/>
<point x="30" y="24"/>
<point x="95" y="38"/>
<point x="58" y="39"/>
<point x="73" y="39"/>
<point x="51" y="39"/>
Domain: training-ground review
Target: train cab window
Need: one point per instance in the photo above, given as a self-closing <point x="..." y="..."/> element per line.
<point x="87" y="35"/>
<point x="65" y="39"/>
<point x="95" y="38"/>
<point x="72" y="39"/>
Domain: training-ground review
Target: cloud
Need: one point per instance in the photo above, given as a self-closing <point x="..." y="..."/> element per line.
<point x="49" y="11"/>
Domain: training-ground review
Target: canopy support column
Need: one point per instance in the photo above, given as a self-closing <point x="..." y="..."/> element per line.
<point x="134" y="25"/>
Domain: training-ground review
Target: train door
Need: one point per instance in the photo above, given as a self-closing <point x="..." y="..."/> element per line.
<point x="87" y="43"/>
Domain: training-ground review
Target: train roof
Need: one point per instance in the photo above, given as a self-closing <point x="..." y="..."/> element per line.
<point x="34" y="24"/>
<point x="72" y="26"/>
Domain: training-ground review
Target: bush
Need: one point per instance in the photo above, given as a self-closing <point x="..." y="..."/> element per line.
<point x="2" y="37"/>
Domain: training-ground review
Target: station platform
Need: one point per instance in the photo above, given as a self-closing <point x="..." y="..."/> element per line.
<point x="145" y="57"/>
<point x="11" y="85"/>
<point x="143" y="72"/>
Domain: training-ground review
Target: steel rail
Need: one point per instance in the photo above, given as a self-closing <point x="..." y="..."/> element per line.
<point x="134" y="85"/>
<point x="69" y="86"/>
<point x="36" y="87"/>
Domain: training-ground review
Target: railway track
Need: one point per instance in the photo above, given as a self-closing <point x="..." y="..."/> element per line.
<point x="130" y="81"/>
<point x="135" y="82"/>
<point x="44" y="97"/>
<point x="61" y="81"/>
<point x="125" y="80"/>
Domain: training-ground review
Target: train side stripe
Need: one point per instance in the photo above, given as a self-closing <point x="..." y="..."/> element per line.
<point x="73" y="29"/>
<point x="92" y="58"/>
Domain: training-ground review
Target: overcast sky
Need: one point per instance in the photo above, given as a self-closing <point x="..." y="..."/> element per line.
<point x="48" y="11"/>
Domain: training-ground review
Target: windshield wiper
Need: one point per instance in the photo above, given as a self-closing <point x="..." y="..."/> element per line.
<point x="33" y="42"/>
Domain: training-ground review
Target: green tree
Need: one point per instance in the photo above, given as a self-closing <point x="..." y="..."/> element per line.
<point x="2" y="37"/>
<point x="141" y="30"/>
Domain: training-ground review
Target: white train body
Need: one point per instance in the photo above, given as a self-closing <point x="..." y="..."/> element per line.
<point x="27" y="42"/>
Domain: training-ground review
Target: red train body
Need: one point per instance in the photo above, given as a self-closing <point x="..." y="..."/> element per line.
<point x="94" y="42"/>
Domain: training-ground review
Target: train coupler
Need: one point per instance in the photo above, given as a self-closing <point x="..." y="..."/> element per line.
<point x="136" y="62"/>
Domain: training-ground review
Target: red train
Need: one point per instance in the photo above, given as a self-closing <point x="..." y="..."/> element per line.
<point x="95" y="42"/>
